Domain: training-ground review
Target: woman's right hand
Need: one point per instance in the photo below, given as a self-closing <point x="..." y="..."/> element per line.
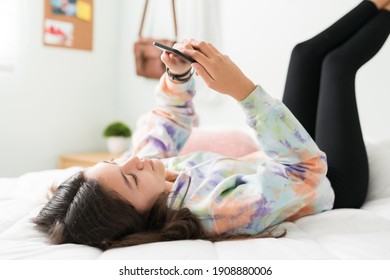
<point x="218" y="71"/>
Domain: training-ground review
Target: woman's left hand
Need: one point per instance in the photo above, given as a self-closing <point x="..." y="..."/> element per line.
<point x="175" y="63"/>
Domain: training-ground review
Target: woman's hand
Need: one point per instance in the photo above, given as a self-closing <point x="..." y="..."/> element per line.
<point x="175" y="63"/>
<point x="218" y="71"/>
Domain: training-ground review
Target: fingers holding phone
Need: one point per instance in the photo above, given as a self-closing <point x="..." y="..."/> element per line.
<point x="174" y="59"/>
<point x="216" y="69"/>
<point x="175" y="50"/>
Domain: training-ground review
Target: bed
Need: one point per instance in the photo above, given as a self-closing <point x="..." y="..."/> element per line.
<point x="337" y="234"/>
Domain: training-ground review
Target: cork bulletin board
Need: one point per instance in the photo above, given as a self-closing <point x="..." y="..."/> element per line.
<point x="68" y="24"/>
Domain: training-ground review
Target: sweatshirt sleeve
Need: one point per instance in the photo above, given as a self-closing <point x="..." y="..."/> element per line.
<point x="279" y="134"/>
<point x="167" y="126"/>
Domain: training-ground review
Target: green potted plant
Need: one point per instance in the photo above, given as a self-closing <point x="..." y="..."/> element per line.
<point x="118" y="137"/>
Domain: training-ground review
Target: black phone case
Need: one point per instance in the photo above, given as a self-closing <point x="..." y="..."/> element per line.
<point x="172" y="50"/>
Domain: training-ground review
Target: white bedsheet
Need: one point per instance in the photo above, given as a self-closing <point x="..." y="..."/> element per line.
<point x="337" y="234"/>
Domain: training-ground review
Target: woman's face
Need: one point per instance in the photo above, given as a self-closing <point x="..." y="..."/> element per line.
<point x="139" y="181"/>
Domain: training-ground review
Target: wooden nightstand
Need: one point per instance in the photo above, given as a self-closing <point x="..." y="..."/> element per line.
<point x="84" y="159"/>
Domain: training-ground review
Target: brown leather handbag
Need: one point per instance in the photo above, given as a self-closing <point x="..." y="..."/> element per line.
<point x="147" y="57"/>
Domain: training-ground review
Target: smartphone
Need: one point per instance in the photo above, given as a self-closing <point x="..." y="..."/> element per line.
<point x="174" y="51"/>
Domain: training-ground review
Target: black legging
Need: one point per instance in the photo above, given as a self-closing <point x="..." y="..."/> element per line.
<point x="320" y="91"/>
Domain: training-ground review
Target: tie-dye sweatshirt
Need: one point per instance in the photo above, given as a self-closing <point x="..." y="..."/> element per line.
<point x="282" y="182"/>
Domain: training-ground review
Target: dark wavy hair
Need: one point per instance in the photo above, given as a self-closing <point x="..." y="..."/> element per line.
<point x="82" y="212"/>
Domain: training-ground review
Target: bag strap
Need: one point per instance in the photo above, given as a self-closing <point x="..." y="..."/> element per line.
<point x="144" y="15"/>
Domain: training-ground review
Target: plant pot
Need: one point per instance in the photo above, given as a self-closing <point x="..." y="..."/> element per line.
<point x="117" y="144"/>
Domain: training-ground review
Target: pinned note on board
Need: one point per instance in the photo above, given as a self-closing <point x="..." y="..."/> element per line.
<point x="84" y="10"/>
<point x="68" y="24"/>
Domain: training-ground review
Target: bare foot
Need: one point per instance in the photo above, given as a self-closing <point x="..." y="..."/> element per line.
<point x="380" y="3"/>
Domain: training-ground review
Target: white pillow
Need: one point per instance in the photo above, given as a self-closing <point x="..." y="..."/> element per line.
<point x="379" y="163"/>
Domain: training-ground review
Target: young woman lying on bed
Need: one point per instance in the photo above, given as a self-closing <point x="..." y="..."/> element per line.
<point x="156" y="195"/>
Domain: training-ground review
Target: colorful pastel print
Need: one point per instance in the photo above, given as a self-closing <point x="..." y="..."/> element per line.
<point x="64" y="7"/>
<point x="58" y="33"/>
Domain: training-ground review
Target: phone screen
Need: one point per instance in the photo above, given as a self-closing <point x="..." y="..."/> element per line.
<point x="175" y="51"/>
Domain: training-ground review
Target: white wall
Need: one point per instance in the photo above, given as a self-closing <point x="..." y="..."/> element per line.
<point x="58" y="101"/>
